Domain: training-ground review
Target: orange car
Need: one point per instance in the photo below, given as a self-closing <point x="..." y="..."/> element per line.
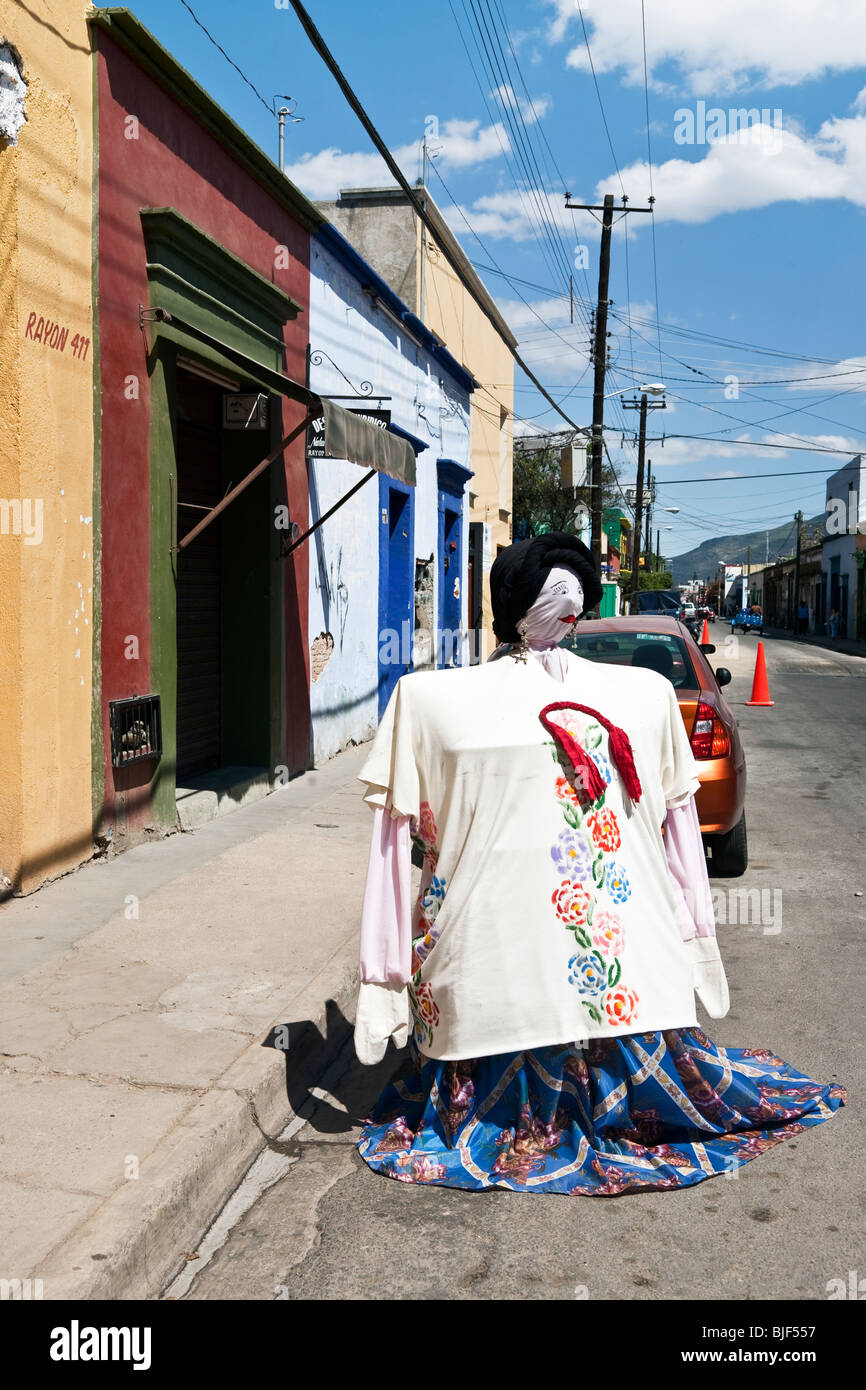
<point x="666" y="645"/>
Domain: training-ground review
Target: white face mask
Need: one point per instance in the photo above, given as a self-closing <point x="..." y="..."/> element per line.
<point x="555" y="611"/>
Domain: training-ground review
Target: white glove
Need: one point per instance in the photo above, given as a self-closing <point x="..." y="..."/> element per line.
<point x="383" y="1013"/>
<point x="711" y="985"/>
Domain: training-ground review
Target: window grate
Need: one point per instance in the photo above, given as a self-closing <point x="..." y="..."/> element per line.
<point x="136" y="729"/>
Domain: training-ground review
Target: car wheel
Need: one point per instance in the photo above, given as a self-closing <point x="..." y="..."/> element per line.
<point x="730" y="852"/>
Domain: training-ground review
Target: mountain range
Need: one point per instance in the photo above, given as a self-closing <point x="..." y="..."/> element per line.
<point x="765" y="544"/>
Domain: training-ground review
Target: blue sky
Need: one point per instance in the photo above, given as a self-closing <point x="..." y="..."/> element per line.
<point x="759" y="231"/>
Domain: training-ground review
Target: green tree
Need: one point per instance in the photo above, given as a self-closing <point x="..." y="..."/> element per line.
<point x="647" y="579"/>
<point x="540" y="502"/>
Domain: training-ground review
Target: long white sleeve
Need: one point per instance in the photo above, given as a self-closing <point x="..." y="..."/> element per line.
<point x="386" y="940"/>
<point x="687" y="865"/>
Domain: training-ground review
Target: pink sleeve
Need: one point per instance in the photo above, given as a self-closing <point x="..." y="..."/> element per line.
<point x="386" y="917"/>
<point x="687" y="864"/>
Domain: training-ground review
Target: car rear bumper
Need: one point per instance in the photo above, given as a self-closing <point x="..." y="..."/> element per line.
<point x="721" y="796"/>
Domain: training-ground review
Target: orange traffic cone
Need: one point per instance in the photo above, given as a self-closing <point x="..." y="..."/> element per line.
<point x="760" y="688"/>
<point x="705" y="634"/>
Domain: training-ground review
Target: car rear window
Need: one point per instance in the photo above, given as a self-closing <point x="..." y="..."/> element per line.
<point x="660" y="651"/>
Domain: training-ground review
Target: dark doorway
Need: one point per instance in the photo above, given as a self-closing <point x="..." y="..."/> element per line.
<point x="396" y="587"/>
<point x="199" y="599"/>
<point x="474" y="581"/>
<point x="449" y="584"/>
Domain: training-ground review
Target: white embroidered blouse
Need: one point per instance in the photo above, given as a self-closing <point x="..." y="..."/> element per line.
<point x="542" y="919"/>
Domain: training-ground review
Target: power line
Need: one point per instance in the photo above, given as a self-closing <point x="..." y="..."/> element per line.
<point x="534" y="217"/>
<point x="268" y="105"/>
<point x="649" y="154"/>
<point x="547" y="326"/>
<point x="600" y="102"/>
<point x="415" y="200"/>
<point x="738" y="477"/>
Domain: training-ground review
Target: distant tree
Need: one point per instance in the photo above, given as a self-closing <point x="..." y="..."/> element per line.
<point x="652" y="579"/>
<point x="540" y="502"/>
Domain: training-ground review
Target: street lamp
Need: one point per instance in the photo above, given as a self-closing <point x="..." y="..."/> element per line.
<point x="652" y="388"/>
<point x="659" y="530"/>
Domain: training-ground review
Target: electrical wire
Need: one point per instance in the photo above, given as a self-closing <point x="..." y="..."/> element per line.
<point x="415" y="199"/>
<point x="268" y="105"/>
<point x="652" y="200"/>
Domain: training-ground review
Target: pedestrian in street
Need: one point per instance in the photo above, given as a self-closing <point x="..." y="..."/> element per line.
<point x="802" y="617"/>
<point x="564" y="923"/>
<point x="833" y="624"/>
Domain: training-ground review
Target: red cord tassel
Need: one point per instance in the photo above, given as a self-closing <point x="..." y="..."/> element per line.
<point x="620" y="750"/>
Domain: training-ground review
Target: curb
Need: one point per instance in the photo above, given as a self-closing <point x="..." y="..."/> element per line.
<point x="847" y="646"/>
<point x="136" y="1243"/>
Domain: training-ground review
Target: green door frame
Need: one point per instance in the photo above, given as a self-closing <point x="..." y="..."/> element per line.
<point x="214" y="291"/>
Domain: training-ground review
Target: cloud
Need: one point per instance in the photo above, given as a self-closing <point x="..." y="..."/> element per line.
<point x="458" y="145"/>
<point x="531" y="111"/>
<point x="676" y="452"/>
<point x="514" y="215"/>
<point x="754" y="168"/>
<point x="716" y="48"/>
<point x="750" y="168"/>
<point x="843" y="442"/>
<point x="849" y="374"/>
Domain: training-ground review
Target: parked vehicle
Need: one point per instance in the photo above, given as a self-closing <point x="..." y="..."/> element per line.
<point x="664" y="644"/>
<point x="749" y="622"/>
<point x="662" y="601"/>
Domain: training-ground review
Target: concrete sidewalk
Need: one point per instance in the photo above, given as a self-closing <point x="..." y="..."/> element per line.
<point x="849" y="645"/>
<point x="140" y="1030"/>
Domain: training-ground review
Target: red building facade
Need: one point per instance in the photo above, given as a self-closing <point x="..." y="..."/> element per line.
<point x="202" y="295"/>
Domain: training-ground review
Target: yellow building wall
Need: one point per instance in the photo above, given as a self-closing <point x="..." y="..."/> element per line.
<point x="453" y="315"/>
<point x="46" y="453"/>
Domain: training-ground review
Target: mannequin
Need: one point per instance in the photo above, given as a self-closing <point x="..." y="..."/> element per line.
<point x="548" y="968"/>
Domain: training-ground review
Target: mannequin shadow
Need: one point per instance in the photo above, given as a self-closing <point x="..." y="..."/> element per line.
<point x="309" y="1053"/>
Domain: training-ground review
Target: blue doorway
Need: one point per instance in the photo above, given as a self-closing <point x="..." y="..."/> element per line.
<point x="396" y="584"/>
<point x="452" y="478"/>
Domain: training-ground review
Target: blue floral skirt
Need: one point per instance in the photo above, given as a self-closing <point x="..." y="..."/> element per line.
<point x="650" y="1110"/>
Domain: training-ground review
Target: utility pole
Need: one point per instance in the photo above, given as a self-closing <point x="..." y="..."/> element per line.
<point x="281" y="123"/>
<point x="599" y="358"/>
<point x="798" y="521"/>
<point x="649" y="512"/>
<point x="747" y="589"/>
<point x="643" y="405"/>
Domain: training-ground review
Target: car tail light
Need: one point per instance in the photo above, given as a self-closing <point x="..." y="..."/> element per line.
<point x="709" y="736"/>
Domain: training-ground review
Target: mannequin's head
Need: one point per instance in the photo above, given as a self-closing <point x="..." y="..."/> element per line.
<point x="520" y="574"/>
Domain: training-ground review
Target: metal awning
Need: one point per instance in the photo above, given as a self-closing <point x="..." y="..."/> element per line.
<point x="345" y="436"/>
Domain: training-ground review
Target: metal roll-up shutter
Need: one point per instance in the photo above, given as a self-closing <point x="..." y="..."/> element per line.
<point x="199" y="647"/>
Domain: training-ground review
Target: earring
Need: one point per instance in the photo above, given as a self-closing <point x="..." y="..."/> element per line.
<point x="523" y="650"/>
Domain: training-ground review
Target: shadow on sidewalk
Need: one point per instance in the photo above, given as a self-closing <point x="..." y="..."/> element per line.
<point x="309" y="1053"/>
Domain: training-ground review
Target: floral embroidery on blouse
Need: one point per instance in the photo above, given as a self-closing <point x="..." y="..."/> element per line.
<point x="430" y="899"/>
<point x="424" y="834"/>
<point x="572" y="854"/>
<point x="425" y="1011"/>
<point x="617" y="883"/>
<point x="604" y="830"/>
<point x="582" y="856"/>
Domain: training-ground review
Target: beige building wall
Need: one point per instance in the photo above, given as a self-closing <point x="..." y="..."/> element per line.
<point x="451" y="312"/>
<point x="47" y="354"/>
<point x="383" y="227"/>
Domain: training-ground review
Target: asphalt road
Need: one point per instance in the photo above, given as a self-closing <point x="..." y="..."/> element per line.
<point x="782" y="1228"/>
